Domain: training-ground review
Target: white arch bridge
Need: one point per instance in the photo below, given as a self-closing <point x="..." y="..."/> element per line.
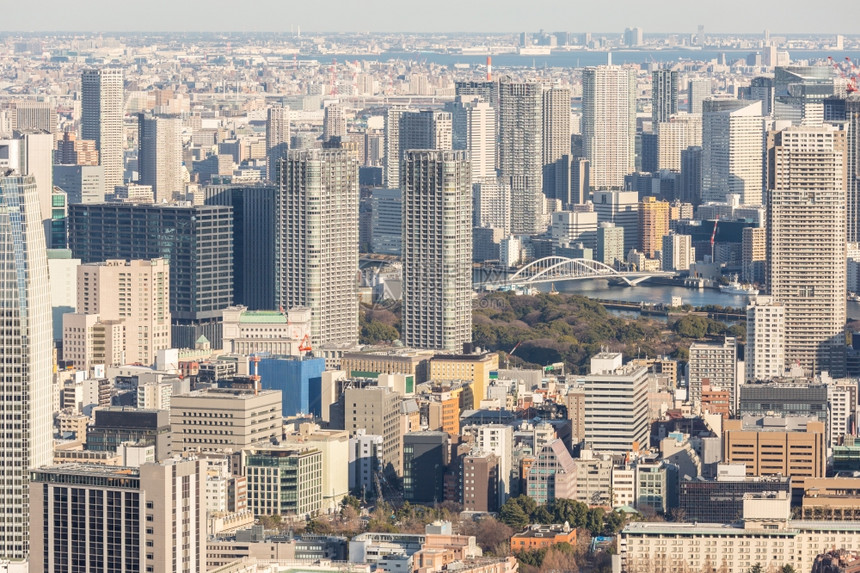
<point x="555" y="269"/>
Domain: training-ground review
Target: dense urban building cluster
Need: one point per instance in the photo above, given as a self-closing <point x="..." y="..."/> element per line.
<point x="197" y="231"/>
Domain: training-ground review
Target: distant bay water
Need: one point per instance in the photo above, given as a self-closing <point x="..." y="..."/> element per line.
<point x="582" y="58"/>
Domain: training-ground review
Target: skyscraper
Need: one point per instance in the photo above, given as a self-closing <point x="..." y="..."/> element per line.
<point x="159" y="158"/>
<point x="556" y="141"/>
<point x="764" y="356"/>
<point x="34" y="116"/>
<point x="622" y="209"/>
<point x="25" y="358"/>
<point x="732" y="150"/>
<point x="674" y="136"/>
<point x="277" y="137"/>
<point x="474" y="130"/>
<point x="437" y="250"/>
<point x="697" y="92"/>
<point x="520" y="162"/>
<point x="609" y="124"/>
<point x="197" y="241"/>
<point x="317" y="241"/>
<point x="102" y="111"/>
<point x="852" y="117"/>
<point x="806" y="243"/>
<point x="334" y="121"/>
<point x="406" y="129"/>
<point x="32" y="153"/>
<point x="664" y="95"/>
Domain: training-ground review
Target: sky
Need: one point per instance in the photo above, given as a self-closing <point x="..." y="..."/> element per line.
<point x="718" y="16"/>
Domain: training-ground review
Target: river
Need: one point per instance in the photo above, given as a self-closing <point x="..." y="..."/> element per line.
<point x="656" y="294"/>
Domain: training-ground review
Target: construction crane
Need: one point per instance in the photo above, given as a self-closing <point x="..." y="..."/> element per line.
<point x="305" y="345"/>
<point x="713" y="237"/>
<point x="850" y="81"/>
<point x="511" y="353"/>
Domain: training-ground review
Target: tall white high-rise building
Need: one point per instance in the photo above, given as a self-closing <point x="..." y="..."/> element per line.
<point x="806" y="243"/>
<point x="674" y="136"/>
<point x="556" y="145"/>
<point x="732" y="150"/>
<point x="405" y="129"/>
<point x="678" y="252"/>
<point x="277" y="137"/>
<point x="664" y="95"/>
<point x="474" y="130"/>
<point x="334" y="121"/>
<point x="159" y="158"/>
<point x="437" y="249"/>
<point x="492" y="205"/>
<point x="609" y="124"/>
<point x="317" y="241"/>
<point x="764" y="357"/>
<point x="102" y="112"/>
<point x="520" y="157"/>
<point x="25" y="358"/>
<point x="715" y="364"/>
<point x="570" y="227"/>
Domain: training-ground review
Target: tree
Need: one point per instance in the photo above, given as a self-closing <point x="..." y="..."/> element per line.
<point x="492" y="535"/>
<point x="351" y="501"/>
<point x="569" y="510"/>
<point x="757" y="568"/>
<point x="788" y="569"/>
<point x="542" y="515"/>
<point x="512" y="515"/>
<point x="594" y="521"/>
<point x="613" y="522"/>
<point x="559" y="559"/>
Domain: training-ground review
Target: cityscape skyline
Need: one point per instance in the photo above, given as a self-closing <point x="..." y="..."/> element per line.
<point x="475" y="16"/>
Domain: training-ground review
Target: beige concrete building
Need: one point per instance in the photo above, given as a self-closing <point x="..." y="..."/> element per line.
<point x="402" y="361"/>
<point x="252" y="331"/>
<point x="753" y="254"/>
<point x="134" y="292"/>
<point x="791" y="446"/>
<point x="87" y="341"/>
<point x="764" y="357"/>
<point x="377" y="411"/>
<point x="474" y="368"/>
<point x="150" y="518"/>
<point x="216" y="419"/>
<point x="674" y="136"/>
<point x="766" y="536"/>
<point x="334" y="445"/>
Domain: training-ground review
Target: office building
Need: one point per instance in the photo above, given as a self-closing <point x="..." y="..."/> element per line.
<point x="622" y="209"/>
<point x="437" y="250"/>
<point x="474" y="130"/>
<point x="34" y="116"/>
<point x="609" y="124"/>
<point x="697" y="92"/>
<point x="784" y="399"/>
<point x="806" y="243"/>
<point x="616" y="405"/>
<point x="102" y="112"/>
<point x="425" y="459"/>
<point x="253" y="241"/>
<point x="334" y="445"/>
<point x="365" y="461"/>
<point x="82" y="183"/>
<point x="664" y="95"/>
<point x="732" y="151"/>
<point x="472" y="368"/>
<point x="425" y="129"/>
<point x="569" y="227"/>
<point x="520" y="165"/>
<point x="63" y="272"/>
<point x="552" y="475"/>
<point x="610" y="244"/>
<point x="762" y="89"/>
<point x="852" y="164"/>
<point x="497" y="439"/>
<point x="197" y="242"/>
<point x="298" y="378"/>
<point x="112" y="426"/>
<point x="317" y="241"/>
<point x="799" y="93"/>
<point x="764" y="356"/>
<point x="653" y="225"/>
<point x="678" y="252"/>
<point x="26" y="358"/>
<point x="197" y="419"/>
<point x="277" y="138"/>
<point x="151" y="518"/>
<point x="714" y="364"/>
<point x="386" y="227"/>
<point x="376" y="410"/>
<point x="720" y="500"/>
<point x="691" y="175"/>
<point x="284" y="481"/>
<point x="793" y="446"/>
<point x="159" y="156"/>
